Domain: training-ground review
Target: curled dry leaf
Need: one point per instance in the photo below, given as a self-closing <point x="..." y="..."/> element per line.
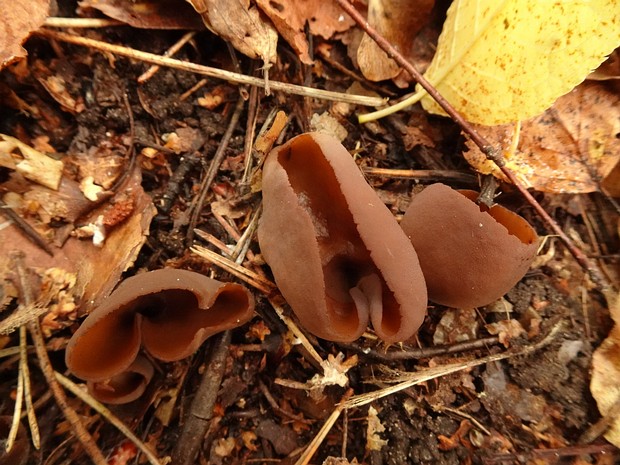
<point x="398" y="21"/>
<point x="570" y="148"/>
<point x="29" y="162"/>
<point x="17" y="21"/>
<point x="503" y="61"/>
<point x="241" y="24"/>
<point x="148" y="14"/>
<point x="290" y="19"/>
<point x="605" y="383"/>
<point x="337" y="253"/>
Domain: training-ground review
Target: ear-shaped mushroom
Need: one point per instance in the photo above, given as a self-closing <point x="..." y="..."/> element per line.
<point x="470" y="255"/>
<point x="126" y="386"/>
<point x="169" y="312"/>
<point x="337" y="253"/>
<point x="18" y="455"/>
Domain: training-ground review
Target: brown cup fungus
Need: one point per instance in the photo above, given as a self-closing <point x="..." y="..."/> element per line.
<point x="336" y="252"/>
<point x="168" y="312"/>
<point x="470" y="255"/>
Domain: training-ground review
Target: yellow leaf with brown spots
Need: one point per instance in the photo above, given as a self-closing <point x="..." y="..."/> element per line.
<point x="502" y="61"/>
<point x="570" y="148"/>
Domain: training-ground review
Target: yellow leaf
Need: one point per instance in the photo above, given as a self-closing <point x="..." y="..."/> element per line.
<point x="502" y="61"/>
<point x="570" y="148"/>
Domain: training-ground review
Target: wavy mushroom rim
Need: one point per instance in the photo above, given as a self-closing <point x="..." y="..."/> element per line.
<point x="297" y="168"/>
<point x="109" y="339"/>
<point x="126" y="386"/>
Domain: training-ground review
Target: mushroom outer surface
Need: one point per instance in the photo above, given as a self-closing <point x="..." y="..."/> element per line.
<point x="335" y="250"/>
<point x="171" y="312"/>
<point x="469" y="257"/>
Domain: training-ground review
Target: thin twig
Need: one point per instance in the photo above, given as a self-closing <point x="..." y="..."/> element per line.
<point x="250" y="277"/>
<point x="426" y="175"/>
<point x="34" y="328"/>
<point x="197" y="420"/>
<point x="85" y="397"/>
<point x="491" y="152"/>
<point x="149" y="73"/>
<point x="214" y="166"/>
<point x="25" y="228"/>
<point x="412" y="353"/>
<point x="250" y="131"/>
<point x="554" y="455"/>
<point x="209" y="71"/>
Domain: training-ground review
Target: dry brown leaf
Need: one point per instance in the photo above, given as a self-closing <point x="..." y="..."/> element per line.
<point x="568" y="149"/>
<point x="398" y="21"/>
<point x="17" y="21"/>
<point x="290" y="18"/>
<point x="148" y="14"/>
<point x="98" y="269"/>
<point x="240" y="24"/>
<point x="605" y="383"/>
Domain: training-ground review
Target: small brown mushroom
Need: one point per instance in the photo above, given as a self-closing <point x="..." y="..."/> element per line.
<point x="168" y="312"/>
<point x="126" y="386"/>
<point x="336" y="252"/>
<point x="470" y="255"/>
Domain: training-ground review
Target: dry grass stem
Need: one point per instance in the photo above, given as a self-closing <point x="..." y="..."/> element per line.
<point x="209" y="71"/>
<point x="81" y="23"/>
<point x="25" y="374"/>
<point x="17" y="411"/>
<point x="250" y="277"/>
<point x="108" y="415"/>
<point x="149" y="73"/>
<point x="321" y="435"/>
<point x="435" y="175"/>
<point x="298" y="333"/>
<point x="408" y="380"/>
<point x="34" y="328"/>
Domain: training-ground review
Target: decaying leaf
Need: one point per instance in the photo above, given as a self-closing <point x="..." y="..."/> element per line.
<point x="148" y="14"/>
<point x="290" y="18"/>
<point x="605" y="383"/>
<point x="240" y="24"/>
<point x="570" y="148"/>
<point x="98" y="269"/>
<point x="503" y="61"/>
<point x="375" y="428"/>
<point x="30" y="163"/>
<point x="17" y="21"/>
<point x="398" y="21"/>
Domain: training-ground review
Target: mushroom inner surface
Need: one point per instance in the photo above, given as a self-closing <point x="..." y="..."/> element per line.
<point x="514" y="224"/>
<point x="109" y="345"/>
<point x="173" y="317"/>
<point x="119" y="386"/>
<point x="346" y="261"/>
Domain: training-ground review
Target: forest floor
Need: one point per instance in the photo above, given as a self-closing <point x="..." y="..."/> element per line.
<point x="183" y="147"/>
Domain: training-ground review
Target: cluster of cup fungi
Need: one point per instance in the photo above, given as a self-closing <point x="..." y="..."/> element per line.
<point x="338" y="256"/>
